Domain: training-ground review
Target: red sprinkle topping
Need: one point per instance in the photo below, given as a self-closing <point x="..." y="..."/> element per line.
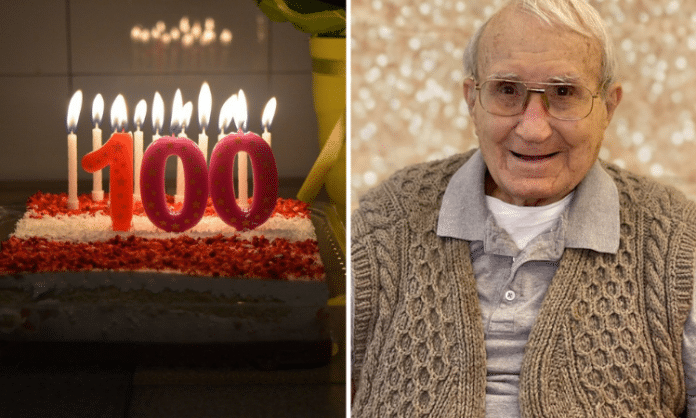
<point x="217" y="256"/>
<point x="49" y="204"/>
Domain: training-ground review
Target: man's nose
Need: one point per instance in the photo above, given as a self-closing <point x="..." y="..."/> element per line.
<point x="534" y="121"/>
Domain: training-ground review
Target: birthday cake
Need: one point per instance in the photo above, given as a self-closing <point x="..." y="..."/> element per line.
<point x="66" y="275"/>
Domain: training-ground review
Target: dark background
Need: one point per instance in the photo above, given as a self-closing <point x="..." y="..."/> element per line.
<point x="51" y="48"/>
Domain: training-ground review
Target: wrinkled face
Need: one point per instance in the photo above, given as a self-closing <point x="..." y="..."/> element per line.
<point x="532" y="158"/>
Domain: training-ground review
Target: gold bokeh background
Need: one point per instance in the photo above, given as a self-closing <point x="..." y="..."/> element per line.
<point x="407" y="104"/>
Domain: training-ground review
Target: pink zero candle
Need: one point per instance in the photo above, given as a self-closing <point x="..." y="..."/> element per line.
<point x="117" y="153"/>
<point x="195" y="175"/>
<point x="265" y="180"/>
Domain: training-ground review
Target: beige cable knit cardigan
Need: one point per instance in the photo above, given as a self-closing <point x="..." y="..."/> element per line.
<point x="606" y="343"/>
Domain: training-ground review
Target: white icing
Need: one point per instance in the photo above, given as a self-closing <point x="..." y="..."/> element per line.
<point x="94" y="228"/>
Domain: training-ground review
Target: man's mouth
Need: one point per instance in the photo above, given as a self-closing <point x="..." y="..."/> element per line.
<point x="533" y="158"/>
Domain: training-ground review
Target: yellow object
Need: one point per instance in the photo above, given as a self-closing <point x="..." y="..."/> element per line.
<point x="327" y="158"/>
<point x="329" y="92"/>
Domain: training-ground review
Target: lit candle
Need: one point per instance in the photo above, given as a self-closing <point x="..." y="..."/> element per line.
<point x="157" y="116"/>
<point x="118" y="113"/>
<point x="177" y="108"/>
<point x="267" y="118"/>
<point x="138" y="118"/>
<point x="184" y="120"/>
<point x="97" y="112"/>
<point x="240" y="116"/>
<point x="226" y="115"/>
<point x="74" y="109"/>
<point x="117" y="153"/>
<point x="205" y="104"/>
<point x="175" y="125"/>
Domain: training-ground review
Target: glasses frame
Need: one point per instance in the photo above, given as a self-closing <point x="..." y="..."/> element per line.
<point x="478" y="87"/>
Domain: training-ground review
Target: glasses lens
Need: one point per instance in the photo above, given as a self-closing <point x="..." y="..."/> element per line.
<point x="564" y="101"/>
<point x="503" y="98"/>
<point x="568" y="101"/>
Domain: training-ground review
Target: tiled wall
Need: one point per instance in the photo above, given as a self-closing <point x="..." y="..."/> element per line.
<point x="50" y="48"/>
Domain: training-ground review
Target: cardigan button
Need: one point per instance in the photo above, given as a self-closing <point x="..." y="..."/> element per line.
<point x="510" y="295"/>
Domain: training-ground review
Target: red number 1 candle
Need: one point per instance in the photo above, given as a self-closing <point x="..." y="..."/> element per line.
<point x="117" y="153"/>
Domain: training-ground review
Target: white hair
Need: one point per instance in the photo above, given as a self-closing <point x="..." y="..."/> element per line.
<point x="576" y="15"/>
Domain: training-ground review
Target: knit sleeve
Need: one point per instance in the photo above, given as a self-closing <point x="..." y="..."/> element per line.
<point x="689" y="356"/>
<point x="371" y="266"/>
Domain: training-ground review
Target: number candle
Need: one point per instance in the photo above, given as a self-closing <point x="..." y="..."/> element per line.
<point x="185" y="114"/>
<point x="138" y="118"/>
<point x="265" y="177"/>
<point x="152" y="179"/>
<point x="73" y="115"/>
<point x="205" y="104"/>
<point x="267" y="118"/>
<point x="242" y="170"/>
<point x="97" y="112"/>
<point x="157" y="116"/>
<point x="117" y="153"/>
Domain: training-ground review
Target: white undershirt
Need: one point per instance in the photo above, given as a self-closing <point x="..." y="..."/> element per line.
<point x="524" y="223"/>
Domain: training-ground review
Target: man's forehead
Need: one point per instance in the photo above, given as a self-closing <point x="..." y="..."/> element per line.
<point x="515" y="37"/>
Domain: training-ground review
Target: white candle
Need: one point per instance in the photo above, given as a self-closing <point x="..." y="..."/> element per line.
<point x="174" y="126"/>
<point x="73" y="115"/>
<point x="242" y="166"/>
<point x="205" y="103"/>
<point x="139" y="117"/>
<point x="267" y="118"/>
<point x="97" y="112"/>
<point x="157" y="116"/>
<point x="185" y="113"/>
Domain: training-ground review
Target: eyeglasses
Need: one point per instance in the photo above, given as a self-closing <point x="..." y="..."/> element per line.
<point x="563" y="101"/>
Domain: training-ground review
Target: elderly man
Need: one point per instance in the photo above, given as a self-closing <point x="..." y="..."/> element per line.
<point x="527" y="278"/>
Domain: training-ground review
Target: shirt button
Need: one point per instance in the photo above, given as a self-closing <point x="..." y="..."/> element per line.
<point x="510" y="295"/>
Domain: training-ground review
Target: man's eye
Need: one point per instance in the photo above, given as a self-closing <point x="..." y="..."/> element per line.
<point x="508" y="89"/>
<point x="563" y="90"/>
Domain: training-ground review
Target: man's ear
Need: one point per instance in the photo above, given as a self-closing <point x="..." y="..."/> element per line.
<point x="613" y="98"/>
<point x="470" y="94"/>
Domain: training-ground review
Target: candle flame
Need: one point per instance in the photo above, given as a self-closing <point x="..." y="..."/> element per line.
<point x="157" y="112"/>
<point x="185" y="24"/>
<point x="240" y="111"/>
<point x="186" y="113"/>
<point x="268" y="113"/>
<point x="74" y="111"/>
<point x="135" y="33"/>
<point x="97" y="109"/>
<point x="119" y="114"/>
<point x="226" y="37"/>
<point x="227" y="112"/>
<point x="140" y="112"/>
<point x="209" y="23"/>
<point x="177" y="108"/>
<point x="196" y="30"/>
<point x="205" y="104"/>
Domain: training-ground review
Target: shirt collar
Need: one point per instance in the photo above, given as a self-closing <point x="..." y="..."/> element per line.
<point x="592" y="218"/>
